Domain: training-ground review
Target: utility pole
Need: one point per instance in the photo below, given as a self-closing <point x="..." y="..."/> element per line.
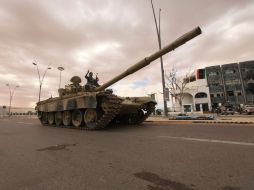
<point x="11" y="95"/>
<point x="161" y="59"/>
<point x="41" y="79"/>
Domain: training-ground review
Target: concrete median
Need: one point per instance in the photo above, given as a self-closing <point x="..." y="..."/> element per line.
<point x="218" y="119"/>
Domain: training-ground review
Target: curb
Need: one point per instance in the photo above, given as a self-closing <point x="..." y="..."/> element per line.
<point x="228" y="122"/>
<point x="171" y="121"/>
<point x="196" y="121"/>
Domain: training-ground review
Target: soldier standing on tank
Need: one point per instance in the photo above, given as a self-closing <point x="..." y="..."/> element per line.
<point x="91" y="82"/>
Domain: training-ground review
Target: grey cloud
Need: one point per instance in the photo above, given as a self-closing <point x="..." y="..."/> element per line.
<point x="56" y="31"/>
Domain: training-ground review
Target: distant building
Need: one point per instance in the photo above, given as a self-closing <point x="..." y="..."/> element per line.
<point x="4" y="110"/>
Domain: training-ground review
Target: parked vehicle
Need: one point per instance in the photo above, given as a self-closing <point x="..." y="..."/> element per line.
<point x="228" y="111"/>
<point x="248" y="109"/>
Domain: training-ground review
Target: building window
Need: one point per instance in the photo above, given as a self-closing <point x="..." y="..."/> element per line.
<point x="232" y="82"/>
<point x="230" y="93"/>
<point x="239" y="94"/>
<point x="249" y="74"/>
<point x="212" y="95"/>
<point x="200" y="73"/>
<point x="218" y="95"/>
<point x="201" y="95"/>
<point x="213" y="73"/>
<point x="230" y="71"/>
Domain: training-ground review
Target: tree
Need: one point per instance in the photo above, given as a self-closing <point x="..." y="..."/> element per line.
<point x="177" y="85"/>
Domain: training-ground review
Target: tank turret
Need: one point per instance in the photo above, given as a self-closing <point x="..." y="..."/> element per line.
<point x="72" y="88"/>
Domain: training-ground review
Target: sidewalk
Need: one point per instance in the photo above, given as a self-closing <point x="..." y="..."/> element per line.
<point x="235" y="119"/>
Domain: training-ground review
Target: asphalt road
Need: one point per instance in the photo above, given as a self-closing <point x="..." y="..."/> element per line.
<point x="152" y="156"/>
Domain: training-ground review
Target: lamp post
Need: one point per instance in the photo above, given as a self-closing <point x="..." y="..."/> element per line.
<point x="11" y="95"/>
<point x="161" y="59"/>
<point x="41" y="78"/>
<point x="60" y="69"/>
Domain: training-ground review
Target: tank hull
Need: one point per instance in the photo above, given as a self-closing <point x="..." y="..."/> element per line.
<point x="93" y="111"/>
<point x="76" y="101"/>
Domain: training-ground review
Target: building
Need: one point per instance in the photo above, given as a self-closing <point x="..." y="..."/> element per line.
<point x="196" y="94"/>
<point x="231" y="84"/>
<point x="211" y="87"/>
<point x="215" y="84"/>
<point x="247" y="78"/>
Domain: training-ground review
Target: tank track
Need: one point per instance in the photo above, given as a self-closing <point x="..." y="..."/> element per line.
<point x="150" y="107"/>
<point x="137" y="118"/>
<point x="109" y="114"/>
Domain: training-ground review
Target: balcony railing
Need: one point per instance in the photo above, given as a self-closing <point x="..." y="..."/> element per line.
<point x="220" y="99"/>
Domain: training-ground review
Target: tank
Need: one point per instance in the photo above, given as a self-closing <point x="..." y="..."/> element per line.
<point x="95" y="107"/>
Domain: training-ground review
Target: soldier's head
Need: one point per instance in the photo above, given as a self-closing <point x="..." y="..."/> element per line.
<point x="91" y="74"/>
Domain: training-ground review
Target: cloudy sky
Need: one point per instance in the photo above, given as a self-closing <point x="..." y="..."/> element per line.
<point x="108" y="36"/>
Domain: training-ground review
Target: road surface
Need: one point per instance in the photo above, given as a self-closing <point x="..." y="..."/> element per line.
<point x="152" y="156"/>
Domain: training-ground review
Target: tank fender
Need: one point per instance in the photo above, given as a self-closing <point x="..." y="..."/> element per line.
<point x="42" y="107"/>
<point x="86" y="102"/>
<point x="81" y="102"/>
<point x="59" y="106"/>
<point x="71" y="104"/>
<point x="140" y="100"/>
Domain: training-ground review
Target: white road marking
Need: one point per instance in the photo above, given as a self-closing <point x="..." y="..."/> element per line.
<point x="208" y="140"/>
<point x="24" y="123"/>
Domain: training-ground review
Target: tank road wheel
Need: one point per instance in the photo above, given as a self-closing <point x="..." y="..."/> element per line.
<point x="67" y="118"/>
<point x="90" y="118"/>
<point x="44" y="118"/>
<point x="58" y="118"/>
<point x="77" y="118"/>
<point x="104" y="104"/>
<point x="51" y="118"/>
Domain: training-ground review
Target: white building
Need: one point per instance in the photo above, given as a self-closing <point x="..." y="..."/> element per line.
<point x="196" y="97"/>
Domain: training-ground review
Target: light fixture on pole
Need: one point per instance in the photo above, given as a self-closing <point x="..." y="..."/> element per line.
<point x="41" y="79"/>
<point x="11" y="95"/>
<point x="60" y="69"/>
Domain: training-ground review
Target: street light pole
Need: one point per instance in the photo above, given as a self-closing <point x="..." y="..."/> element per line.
<point x="161" y="59"/>
<point x="60" y="69"/>
<point x="11" y="95"/>
<point x="41" y="79"/>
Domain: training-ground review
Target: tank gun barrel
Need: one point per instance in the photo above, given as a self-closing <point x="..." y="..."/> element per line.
<point x="141" y="64"/>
